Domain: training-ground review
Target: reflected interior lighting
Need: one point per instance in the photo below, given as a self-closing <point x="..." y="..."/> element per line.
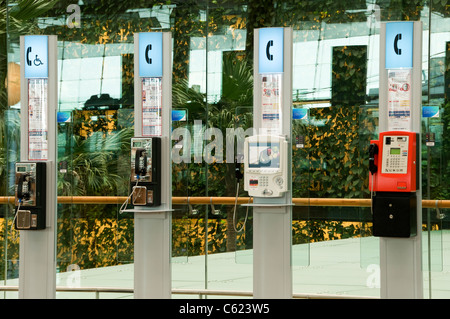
<point x="12" y="83"/>
<point x="314" y="105"/>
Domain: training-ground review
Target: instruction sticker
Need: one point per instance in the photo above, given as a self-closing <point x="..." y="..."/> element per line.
<point x="151" y="107"/>
<point x="399" y="100"/>
<point x="37" y="119"/>
<point x="271" y="103"/>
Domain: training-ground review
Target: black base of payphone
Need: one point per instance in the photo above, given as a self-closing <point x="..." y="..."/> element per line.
<point x="146" y="194"/>
<point x="394" y="214"/>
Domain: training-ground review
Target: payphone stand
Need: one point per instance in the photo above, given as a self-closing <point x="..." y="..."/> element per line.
<point x="272" y="193"/>
<point x="152" y="197"/>
<point x="400" y="110"/>
<point x="36" y="187"/>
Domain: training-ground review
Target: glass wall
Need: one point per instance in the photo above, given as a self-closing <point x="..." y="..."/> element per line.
<point x="335" y="87"/>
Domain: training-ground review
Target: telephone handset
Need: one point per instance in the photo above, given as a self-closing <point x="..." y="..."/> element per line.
<point x="24" y="187"/>
<point x="238" y="175"/>
<point x="237" y="168"/>
<point x="30" y="195"/>
<point x="140" y="162"/>
<point x="373" y="151"/>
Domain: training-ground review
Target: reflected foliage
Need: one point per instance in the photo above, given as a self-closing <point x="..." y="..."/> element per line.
<point x="95" y="147"/>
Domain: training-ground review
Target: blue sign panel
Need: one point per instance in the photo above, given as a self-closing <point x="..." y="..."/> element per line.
<point x="299" y="114"/>
<point x="271" y="43"/>
<point x="399" y="45"/>
<point x="63" y="117"/>
<point x="150" y="54"/>
<point x="36" y="56"/>
<point x="430" y="111"/>
<point x="179" y="115"/>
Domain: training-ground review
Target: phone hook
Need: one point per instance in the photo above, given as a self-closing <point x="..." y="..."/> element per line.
<point x="213" y="210"/>
<point x="192" y="211"/>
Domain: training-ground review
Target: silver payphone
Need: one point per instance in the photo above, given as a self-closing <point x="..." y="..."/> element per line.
<point x="30" y="195"/>
<point x="145" y="174"/>
<point x="265" y="165"/>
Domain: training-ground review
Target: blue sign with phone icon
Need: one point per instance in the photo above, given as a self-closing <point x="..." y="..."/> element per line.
<point x="36" y="56"/>
<point x="399" y="45"/>
<point x="271" y="44"/>
<point x="150" y="54"/>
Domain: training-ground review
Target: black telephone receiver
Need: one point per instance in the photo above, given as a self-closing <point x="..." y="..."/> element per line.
<point x="237" y="169"/>
<point x="23" y="187"/>
<point x="373" y="150"/>
<point x="141" y="154"/>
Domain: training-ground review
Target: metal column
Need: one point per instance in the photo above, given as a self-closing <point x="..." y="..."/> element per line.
<point x="153" y="226"/>
<point x="401" y="258"/>
<point x="272" y="217"/>
<point x="37" y="263"/>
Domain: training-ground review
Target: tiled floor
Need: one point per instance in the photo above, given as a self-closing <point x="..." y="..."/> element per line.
<point x="346" y="267"/>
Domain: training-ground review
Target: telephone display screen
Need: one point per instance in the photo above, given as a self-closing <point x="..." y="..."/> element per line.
<point x="264" y="155"/>
<point x="395" y="151"/>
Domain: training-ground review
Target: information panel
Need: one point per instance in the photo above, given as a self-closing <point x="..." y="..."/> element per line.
<point x="399" y="100"/>
<point x="271" y="103"/>
<point x="37" y="119"/>
<point x="151" y="107"/>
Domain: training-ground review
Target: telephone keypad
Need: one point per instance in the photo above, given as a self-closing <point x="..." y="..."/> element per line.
<point x="395" y="155"/>
<point x="264" y="181"/>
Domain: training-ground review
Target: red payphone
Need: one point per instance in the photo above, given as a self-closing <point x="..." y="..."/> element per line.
<point x="393" y="181"/>
<point x="393" y="162"/>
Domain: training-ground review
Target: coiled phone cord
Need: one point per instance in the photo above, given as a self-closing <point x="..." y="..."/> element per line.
<point x="234" y="213"/>
<point x="125" y="203"/>
<point x="15" y="216"/>
<point x="371" y="197"/>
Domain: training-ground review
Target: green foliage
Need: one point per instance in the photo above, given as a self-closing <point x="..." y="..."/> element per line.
<point x="96" y="157"/>
<point x="333" y="162"/>
<point x="339" y="164"/>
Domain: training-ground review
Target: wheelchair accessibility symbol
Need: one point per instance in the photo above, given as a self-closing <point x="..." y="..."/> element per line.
<point x="37" y="61"/>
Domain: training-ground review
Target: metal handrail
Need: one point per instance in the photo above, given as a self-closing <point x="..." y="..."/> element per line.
<point x="336" y="202"/>
<point x="199" y="292"/>
<point x="219" y="201"/>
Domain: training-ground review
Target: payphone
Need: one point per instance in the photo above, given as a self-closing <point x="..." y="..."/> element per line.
<point x="30" y="196"/>
<point x="265" y="165"/>
<point x="394" y="170"/>
<point x="145" y="175"/>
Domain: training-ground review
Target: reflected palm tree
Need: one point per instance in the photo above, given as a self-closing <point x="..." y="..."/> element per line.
<point x="237" y="95"/>
<point x="94" y="165"/>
